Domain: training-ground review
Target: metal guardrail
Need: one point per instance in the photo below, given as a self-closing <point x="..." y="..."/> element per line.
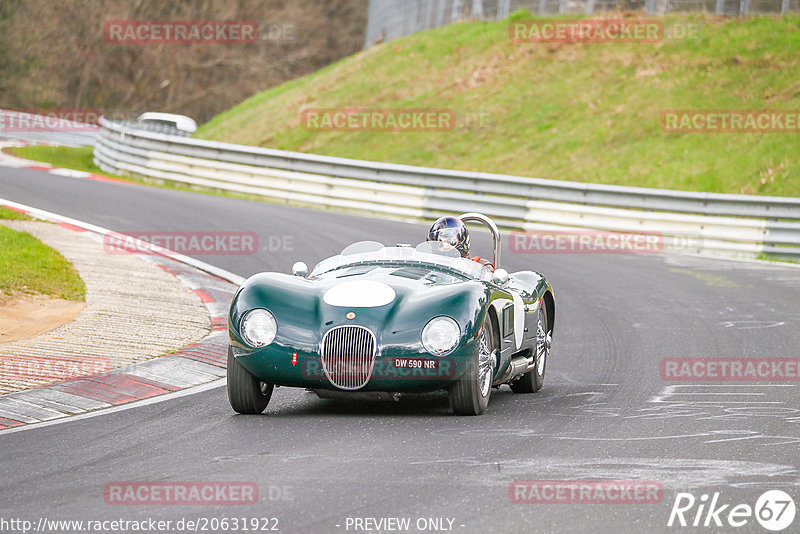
<point x="739" y="225"/>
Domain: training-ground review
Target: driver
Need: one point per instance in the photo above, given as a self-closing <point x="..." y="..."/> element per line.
<point x="453" y="231"/>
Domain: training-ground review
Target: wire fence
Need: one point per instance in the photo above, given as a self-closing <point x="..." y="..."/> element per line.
<point x="390" y="19"/>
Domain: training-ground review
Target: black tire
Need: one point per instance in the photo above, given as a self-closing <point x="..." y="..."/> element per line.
<point x="533" y="380"/>
<point x="466" y="396"/>
<point x="246" y="393"/>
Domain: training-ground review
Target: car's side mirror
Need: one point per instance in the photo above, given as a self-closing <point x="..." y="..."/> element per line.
<point x="300" y="269"/>
<point x="500" y="277"/>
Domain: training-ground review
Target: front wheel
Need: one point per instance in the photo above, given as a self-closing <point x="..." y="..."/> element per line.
<point x="470" y="394"/>
<point x="246" y="393"/>
<point x="532" y="381"/>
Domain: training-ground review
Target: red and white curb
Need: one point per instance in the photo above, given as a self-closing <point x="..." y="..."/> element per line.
<point x="201" y="363"/>
<point x="7" y="160"/>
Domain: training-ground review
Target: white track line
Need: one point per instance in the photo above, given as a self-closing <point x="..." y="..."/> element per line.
<point x="220" y="382"/>
<point x="197" y="264"/>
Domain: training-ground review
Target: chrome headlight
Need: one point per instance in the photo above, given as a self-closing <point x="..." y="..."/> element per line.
<point x="440" y="336"/>
<point x="258" y="327"/>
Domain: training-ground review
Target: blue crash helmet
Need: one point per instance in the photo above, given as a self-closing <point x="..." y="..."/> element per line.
<point x="453" y="231"/>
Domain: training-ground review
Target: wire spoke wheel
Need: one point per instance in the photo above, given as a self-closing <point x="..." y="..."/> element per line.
<point x="485" y="362"/>
<point x="469" y="395"/>
<point x="543" y="342"/>
<point x="532" y="381"/>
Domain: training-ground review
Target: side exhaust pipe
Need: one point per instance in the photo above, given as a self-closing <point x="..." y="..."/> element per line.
<point x="516" y="368"/>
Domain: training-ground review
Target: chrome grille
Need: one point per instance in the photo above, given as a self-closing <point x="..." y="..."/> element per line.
<point x="348" y="354"/>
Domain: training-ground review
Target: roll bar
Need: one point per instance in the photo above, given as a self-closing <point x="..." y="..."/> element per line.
<point x="479" y="217"/>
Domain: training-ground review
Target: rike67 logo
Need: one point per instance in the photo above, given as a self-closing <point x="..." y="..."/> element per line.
<point x="774" y="510"/>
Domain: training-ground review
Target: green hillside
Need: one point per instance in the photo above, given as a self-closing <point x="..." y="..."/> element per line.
<point x="572" y="111"/>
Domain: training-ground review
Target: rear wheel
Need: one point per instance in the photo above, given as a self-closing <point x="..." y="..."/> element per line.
<point x="246" y="393"/>
<point x="470" y="394"/>
<point x="532" y="381"/>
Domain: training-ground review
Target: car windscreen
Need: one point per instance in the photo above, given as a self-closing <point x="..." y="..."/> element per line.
<point x="430" y="253"/>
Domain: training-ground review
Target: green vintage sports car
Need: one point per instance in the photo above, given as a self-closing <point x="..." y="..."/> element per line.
<point x="379" y="322"/>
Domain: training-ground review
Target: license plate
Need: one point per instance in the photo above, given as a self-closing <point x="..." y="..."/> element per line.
<point x="416" y="363"/>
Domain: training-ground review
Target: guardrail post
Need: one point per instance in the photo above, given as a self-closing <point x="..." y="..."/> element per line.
<point x="744" y="7"/>
<point x="477" y="9"/>
<point x="784" y="7"/>
<point x="542" y="7"/>
<point x="589" y="7"/>
<point x="563" y="5"/>
<point x="650" y="6"/>
<point x="720" y="7"/>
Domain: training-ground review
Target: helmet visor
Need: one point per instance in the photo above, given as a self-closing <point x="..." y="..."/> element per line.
<point x="448" y="235"/>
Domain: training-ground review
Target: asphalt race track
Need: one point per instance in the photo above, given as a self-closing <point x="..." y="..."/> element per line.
<point x="604" y="413"/>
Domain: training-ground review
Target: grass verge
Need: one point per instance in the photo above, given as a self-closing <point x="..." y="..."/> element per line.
<point x="75" y="158"/>
<point x="9" y="214"/>
<point x="29" y="266"/>
<point x="581" y="111"/>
